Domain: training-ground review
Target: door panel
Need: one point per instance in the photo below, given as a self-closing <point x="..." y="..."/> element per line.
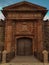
<point x="24" y="46"/>
<point x="28" y="47"/>
<point x="20" y="47"/>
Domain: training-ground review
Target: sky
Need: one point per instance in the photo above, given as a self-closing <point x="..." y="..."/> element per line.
<point x="4" y="3"/>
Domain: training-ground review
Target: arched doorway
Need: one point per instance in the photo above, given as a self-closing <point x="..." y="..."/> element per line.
<point x="24" y="46"/>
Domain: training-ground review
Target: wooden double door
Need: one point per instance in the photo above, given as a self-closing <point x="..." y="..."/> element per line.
<point x="24" y="46"/>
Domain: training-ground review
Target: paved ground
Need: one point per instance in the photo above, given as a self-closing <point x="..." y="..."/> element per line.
<point x="25" y="59"/>
<point x="24" y="64"/>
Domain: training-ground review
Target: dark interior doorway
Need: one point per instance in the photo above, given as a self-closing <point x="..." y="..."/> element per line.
<point x="24" y="46"/>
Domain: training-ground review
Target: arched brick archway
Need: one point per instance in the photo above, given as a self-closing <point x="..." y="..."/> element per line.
<point x="24" y="46"/>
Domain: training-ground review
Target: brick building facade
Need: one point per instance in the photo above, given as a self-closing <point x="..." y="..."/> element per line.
<point x="23" y="30"/>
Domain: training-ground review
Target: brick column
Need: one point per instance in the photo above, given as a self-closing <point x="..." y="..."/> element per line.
<point x="40" y="35"/>
<point x="8" y="35"/>
<point x="13" y="35"/>
<point x="35" y="37"/>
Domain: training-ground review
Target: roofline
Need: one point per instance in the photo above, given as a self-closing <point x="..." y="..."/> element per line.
<point x="41" y="8"/>
<point x="18" y="3"/>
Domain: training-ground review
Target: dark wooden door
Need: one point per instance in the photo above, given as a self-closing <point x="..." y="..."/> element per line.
<point x="24" y="46"/>
<point x="28" y="47"/>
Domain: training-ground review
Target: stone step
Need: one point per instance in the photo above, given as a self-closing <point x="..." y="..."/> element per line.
<point x="24" y="64"/>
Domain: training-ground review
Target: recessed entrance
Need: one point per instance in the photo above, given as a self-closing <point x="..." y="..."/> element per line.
<point x="24" y="46"/>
